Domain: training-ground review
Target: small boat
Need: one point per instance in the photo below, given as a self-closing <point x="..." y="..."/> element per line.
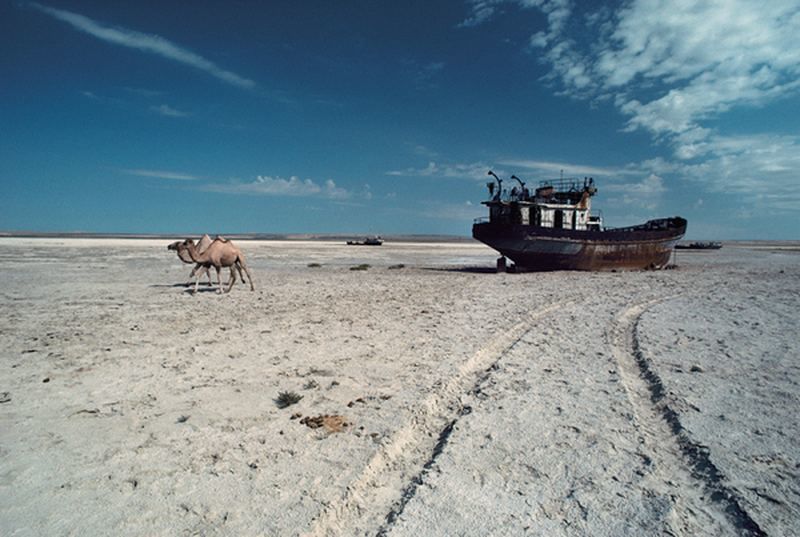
<point x="553" y="229"/>
<point x="369" y="241"/>
<point x="699" y="246"/>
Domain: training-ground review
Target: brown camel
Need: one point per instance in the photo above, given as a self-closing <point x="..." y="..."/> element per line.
<point x="199" y="268"/>
<point x="221" y="253"/>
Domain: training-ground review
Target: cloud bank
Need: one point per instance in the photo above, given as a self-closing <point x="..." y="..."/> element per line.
<point x="671" y="67"/>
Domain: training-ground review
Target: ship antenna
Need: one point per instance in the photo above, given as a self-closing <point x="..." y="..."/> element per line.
<point x="499" y="181"/>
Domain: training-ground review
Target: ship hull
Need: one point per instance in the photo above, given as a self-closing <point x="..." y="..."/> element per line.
<point x="536" y="248"/>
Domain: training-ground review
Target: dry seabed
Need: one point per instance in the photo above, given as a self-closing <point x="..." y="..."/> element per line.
<point x="643" y="403"/>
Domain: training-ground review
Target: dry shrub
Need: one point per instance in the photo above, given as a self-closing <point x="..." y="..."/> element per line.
<point x="285" y="399"/>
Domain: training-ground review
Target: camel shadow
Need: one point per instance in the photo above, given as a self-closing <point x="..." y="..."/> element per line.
<point x="203" y="286"/>
<point x="190" y="290"/>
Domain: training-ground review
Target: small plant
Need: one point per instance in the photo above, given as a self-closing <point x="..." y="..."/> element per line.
<point x="362" y="266"/>
<point x="395" y="267"/>
<point x="314" y="265"/>
<point x="311" y="384"/>
<point x="285" y="399"/>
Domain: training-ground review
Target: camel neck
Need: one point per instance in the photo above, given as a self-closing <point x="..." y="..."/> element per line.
<point x="194" y="254"/>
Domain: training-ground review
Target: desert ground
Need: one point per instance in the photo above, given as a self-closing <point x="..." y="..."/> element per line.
<point x="438" y="398"/>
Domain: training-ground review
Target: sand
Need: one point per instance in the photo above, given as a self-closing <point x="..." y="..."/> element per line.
<point x="436" y="400"/>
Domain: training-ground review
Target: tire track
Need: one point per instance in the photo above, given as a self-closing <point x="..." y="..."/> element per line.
<point x="679" y="460"/>
<point x="376" y="498"/>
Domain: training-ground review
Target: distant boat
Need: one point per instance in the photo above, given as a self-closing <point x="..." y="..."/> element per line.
<point x="699" y="246"/>
<point x="552" y="229"/>
<point x="369" y="241"/>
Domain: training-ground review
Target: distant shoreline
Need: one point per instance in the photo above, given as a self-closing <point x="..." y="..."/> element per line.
<point x="236" y="236"/>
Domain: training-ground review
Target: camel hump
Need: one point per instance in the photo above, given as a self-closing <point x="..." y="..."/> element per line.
<point x="220" y="238"/>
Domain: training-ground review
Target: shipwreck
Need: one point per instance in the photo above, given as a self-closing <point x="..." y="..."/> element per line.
<point x="552" y="228"/>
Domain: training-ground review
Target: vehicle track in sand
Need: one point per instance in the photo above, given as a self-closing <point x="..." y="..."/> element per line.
<point x="680" y="464"/>
<point x="374" y="500"/>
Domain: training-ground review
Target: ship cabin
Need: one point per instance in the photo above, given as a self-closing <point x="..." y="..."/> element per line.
<point x="560" y="204"/>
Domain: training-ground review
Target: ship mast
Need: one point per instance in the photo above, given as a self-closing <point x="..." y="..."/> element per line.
<point x="499" y="185"/>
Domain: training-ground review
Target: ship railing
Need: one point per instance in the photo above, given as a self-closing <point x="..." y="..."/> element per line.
<point x="566" y="184"/>
<point x="510" y="197"/>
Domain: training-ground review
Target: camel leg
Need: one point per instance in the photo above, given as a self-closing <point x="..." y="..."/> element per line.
<point x="241" y="262"/>
<point x="239" y="268"/>
<point x="219" y="280"/>
<point x="232" y="280"/>
<point x="198" y="271"/>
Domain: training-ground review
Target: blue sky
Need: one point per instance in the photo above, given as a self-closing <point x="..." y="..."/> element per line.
<point x="384" y="117"/>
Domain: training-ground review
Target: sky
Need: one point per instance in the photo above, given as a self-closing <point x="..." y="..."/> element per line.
<point x="384" y="117"/>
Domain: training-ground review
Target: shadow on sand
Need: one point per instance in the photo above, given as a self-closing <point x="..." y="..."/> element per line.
<point x="189" y="286"/>
<point x="471" y="270"/>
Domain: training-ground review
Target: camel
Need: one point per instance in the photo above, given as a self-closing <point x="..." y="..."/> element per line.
<point x="220" y="253"/>
<point x="199" y="268"/>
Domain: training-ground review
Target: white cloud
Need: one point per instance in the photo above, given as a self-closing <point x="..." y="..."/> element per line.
<point x="145" y="42"/>
<point x="645" y="193"/>
<point x="277" y="186"/>
<point x="569" y="169"/>
<point x="481" y="11"/>
<point x="762" y="167"/>
<point x="366" y="192"/>
<point x="475" y="170"/>
<point x="168" y="111"/>
<point x="162" y="174"/>
<point x="652" y="185"/>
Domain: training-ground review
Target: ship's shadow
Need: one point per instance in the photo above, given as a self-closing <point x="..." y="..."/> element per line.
<point x="468" y="270"/>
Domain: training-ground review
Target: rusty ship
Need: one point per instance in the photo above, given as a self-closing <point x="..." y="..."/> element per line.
<point x="552" y="228"/>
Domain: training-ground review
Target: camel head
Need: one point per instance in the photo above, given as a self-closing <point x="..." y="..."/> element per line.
<point x="182" y="250"/>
